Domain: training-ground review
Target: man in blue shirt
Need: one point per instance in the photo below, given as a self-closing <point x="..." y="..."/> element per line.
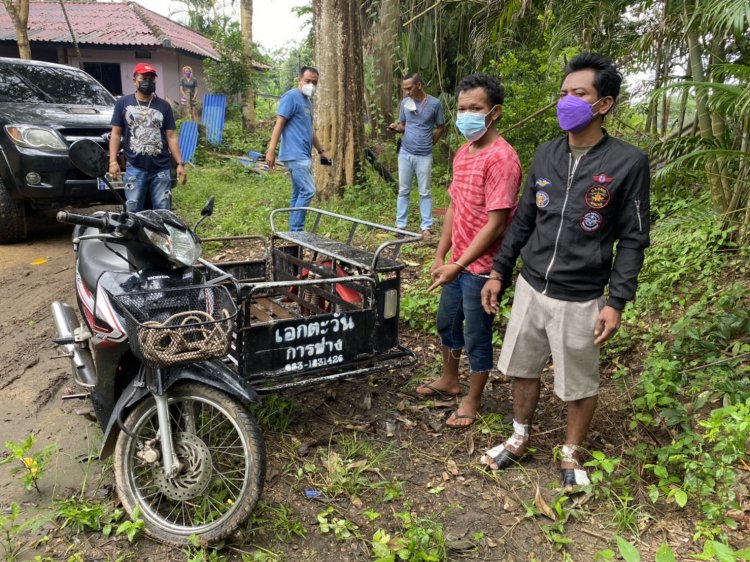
<point x="422" y="121"/>
<point x="294" y="125"/>
<point x="144" y="125"/>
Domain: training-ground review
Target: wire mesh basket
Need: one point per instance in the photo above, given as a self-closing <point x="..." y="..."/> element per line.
<point x="169" y="327"/>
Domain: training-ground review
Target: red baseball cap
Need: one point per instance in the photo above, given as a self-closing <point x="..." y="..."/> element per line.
<point x="144" y="68"/>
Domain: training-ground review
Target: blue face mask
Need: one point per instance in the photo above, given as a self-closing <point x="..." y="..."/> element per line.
<point x="472" y="125"/>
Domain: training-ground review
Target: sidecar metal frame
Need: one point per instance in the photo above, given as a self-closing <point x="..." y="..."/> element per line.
<point x="315" y="306"/>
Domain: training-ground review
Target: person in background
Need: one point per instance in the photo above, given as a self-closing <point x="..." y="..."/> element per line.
<point x="188" y="92"/>
<point x="143" y="124"/>
<point x="294" y="126"/>
<point x="486" y="179"/>
<point x="421" y="120"/>
<point x="586" y="192"/>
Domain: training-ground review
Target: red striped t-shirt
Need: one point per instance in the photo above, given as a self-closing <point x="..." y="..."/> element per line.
<point x="482" y="182"/>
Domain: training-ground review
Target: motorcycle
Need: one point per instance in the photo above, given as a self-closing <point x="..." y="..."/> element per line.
<point x="188" y="455"/>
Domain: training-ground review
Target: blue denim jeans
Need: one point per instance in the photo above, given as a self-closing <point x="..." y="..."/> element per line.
<point x="139" y="183"/>
<point x="462" y="322"/>
<point x="410" y="165"/>
<point x="303" y="190"/>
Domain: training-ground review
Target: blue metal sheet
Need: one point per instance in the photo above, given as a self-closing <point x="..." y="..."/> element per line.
<point x="214" y="109"/>
<point x="188" y="139"/>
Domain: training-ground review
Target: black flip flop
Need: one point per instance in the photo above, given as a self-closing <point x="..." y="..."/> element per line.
<point x="456" y="416"/>
<point x="435" y="393"/>
<point x="503" y="460"/>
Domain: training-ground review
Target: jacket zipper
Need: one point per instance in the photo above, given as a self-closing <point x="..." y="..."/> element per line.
<point x="638" y="213"/>
<point x="571" y="174"/>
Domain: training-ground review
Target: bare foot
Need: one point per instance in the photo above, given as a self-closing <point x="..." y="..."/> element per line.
<point x="439" y="389"/>
<point x="466" y="414"/>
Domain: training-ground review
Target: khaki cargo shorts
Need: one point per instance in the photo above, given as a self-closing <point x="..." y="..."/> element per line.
<point x="540" y="326"/>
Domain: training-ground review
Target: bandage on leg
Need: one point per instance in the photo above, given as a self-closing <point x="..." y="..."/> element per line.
<point x="571" y="471"/>
<point x="509" y="452"/>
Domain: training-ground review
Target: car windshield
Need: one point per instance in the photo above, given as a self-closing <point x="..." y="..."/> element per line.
<point x="43" y="84"/>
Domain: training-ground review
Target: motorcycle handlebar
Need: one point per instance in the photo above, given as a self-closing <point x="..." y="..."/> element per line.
<point x="83" y="220"/>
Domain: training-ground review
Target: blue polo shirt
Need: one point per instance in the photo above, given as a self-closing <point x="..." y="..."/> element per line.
<point x="419" y="125"/>
<point x="297" y="135"/>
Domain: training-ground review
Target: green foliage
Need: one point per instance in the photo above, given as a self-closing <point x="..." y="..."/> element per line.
<point x="342" y="529"/>
<point x="232" y="73"/>
<point x="418" y="307"/>
<point x="13" y="525"/>
<point x="280" y="520"/>
<point x="418" y="540"/>
<point x="275" y="413"/>
<point x="200" y="552"/>
<point x="33" y="465"/>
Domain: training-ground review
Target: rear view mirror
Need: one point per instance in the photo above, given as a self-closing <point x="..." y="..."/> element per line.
<point x="208" y="209"/>
<point x="89" y="157"/>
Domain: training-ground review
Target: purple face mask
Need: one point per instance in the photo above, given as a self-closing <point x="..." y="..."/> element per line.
<point x="187" y="73"/>
<point x="573" y="113"/>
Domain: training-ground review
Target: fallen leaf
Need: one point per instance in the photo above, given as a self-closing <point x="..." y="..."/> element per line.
<point x="446" y="476"/>
<point x="356" y="464"/>
<point x="407" y="422"/>
<point x="510" y="505"/>
<point x="542" y="505"/>
<point x="508" y="519"/>
<point x="390" y="428"/>
<point x="452" y="467"/>
<point x="461" y="545"/>
<point x="469" y="443"/>
<point x="368" y="401"/>
<point x="356" y="502"/>
<point x="490" y="542"/>
<point x="39" y="261"/>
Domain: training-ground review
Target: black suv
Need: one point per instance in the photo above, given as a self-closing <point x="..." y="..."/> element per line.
<point x="44" y="108"/>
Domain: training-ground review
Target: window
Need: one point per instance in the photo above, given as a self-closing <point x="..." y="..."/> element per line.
<point x="43" y="84"/>
<point x="108" y="74"/>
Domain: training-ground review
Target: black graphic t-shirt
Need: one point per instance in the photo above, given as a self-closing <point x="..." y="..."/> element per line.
<point x="144" y="127"/>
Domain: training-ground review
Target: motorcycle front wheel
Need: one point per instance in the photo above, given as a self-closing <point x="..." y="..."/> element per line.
<point x="222" y="466"/>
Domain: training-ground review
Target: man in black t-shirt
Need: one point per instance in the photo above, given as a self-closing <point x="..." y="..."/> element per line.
<point x="144" y="126"/>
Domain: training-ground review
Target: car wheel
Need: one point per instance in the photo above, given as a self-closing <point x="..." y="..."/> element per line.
<point x="12" y="218"/>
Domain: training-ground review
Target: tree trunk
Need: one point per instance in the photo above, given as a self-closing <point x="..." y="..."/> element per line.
<point x="384" y="37"/>
<point x="72" y="34"/>
<point x="246" y="23"/>
<point x="339" y="103"/>
<point x="18" y="10"/>
<point x="704" y="121"/>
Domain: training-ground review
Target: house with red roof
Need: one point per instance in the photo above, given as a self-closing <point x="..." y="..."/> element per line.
<point x="112" y="38"/>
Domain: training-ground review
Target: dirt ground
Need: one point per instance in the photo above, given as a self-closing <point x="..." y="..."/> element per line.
<point x="484" y="516"/>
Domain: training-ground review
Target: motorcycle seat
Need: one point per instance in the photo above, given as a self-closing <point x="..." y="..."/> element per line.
<point x="94" y="258"/>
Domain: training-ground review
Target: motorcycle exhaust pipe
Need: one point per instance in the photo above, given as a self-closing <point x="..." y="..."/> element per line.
<point x="66" y="323"/>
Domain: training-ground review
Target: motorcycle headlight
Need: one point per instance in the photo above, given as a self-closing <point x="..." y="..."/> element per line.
<point x="178" y="245"/>
<point x="31" y="136"/>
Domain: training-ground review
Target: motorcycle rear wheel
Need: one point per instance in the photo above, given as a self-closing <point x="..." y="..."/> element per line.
<point x="220" y="446"/>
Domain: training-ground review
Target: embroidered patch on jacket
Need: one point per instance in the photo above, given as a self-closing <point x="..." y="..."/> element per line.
<point x="601" y="177"/>
<point x="597" y="197"/>
<point x="542" y="199"/>
<point x="543" y="182"/>
<point x="591" y="221"/>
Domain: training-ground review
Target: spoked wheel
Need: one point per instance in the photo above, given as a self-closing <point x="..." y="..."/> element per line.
<point x="222" y="466"/>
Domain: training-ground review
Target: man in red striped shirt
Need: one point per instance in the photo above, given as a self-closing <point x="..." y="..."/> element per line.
<point x="486" y="179"/>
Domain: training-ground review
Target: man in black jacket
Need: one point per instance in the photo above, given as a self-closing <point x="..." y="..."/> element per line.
<point x="586" y="192"/>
